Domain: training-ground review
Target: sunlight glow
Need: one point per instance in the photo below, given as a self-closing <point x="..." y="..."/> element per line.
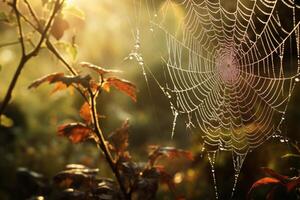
<point x="70" y="2"/>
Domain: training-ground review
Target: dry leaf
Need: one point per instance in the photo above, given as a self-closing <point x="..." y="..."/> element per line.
<point x="62" y="81"/>
<point x="106" y="86"/>
<point x="170" y="152"/>
<point x="98" y="69"/>
<point x="76" y="132"/>
<point x="119" y="139"/>
<point x="51" y="78"/>
<point x="122" y="85"/>
<point x="85" y="112"/>
<point x="58" y="87"/>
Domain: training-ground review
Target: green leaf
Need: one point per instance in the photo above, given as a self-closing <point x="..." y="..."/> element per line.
<point x="6" y="121"/>
<point x="72" y="50"/>
<point x="75" y="11"/>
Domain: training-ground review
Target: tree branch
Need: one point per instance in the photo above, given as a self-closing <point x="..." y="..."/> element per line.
<point x="33" y="14"/>
<point x="49" y="44"/>
<point x="25" y="57"/>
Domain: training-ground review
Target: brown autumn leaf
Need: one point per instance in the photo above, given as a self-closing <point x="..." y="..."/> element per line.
<point x="60" y="25"/>
<point x="51" y="78"/>
<point x="76" y="132"/>
<point x="170" y="152"/>
<point x="98" y="69"/>
<point x="58" y="87"/>
<point x="123" y="86"/>
<point x="62" y="81"/>
<point x="106" y="87"/>
<point x="264" y="181"/>
<point x="94" y="85"/>
<point x="85" y="113"/>
<point x="119" y="139"/>
<point x="84" y="81"/>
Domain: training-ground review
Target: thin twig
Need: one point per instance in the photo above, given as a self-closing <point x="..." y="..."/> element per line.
<point x="17" y="13"/>
<point x="104" y="147"/>
<point x="57" y="7"/>
<point x="29" y="22"/>
<point x="9" y="44"/>
<point x="49" y="44"/>
<point x="25" y="57"/>
<point x="33" y="14"/>
<point x="52" y="48"/>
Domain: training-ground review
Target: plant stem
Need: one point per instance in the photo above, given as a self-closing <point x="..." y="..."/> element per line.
<point x="52" y="48"/>
<point x="12" y="84"/>
<point x="104" y="147"/>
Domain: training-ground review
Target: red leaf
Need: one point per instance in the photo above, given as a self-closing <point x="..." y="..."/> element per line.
<point x="59" y="86"/>
<point x="263" y="182"/>
<point x="284" y="181"/>
<point x="170" y="152"/>
<point x="98" y="69"/>
<point x="94" y="85"/>
<point x="76" y="132"/>
<point x="105" y="86"/>
<point x="119" y="139"/>
<point x="85" y="112"/>
<point x="123" y="85"/>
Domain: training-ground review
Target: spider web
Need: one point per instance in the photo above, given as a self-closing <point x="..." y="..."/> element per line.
<point x="230" y="68"/>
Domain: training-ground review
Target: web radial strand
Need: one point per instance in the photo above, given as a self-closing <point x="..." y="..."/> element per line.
<point x="230" y="66"/>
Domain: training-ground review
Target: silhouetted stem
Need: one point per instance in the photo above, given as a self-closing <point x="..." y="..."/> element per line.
<point x="12" y="85"/>
<point x="104" y="147"/>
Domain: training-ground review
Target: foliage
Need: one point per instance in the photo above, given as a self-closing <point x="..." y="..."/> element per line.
<point x="277" y="186"/>
<point x="46" y="32"/>
<point x="139" y="179"/>
<point x="132" y="179"/>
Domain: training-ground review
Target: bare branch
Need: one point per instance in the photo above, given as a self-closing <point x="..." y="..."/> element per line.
<point x="25" y="57"/>
<point x="32" y="12"/>
<point x="20" y="29"/>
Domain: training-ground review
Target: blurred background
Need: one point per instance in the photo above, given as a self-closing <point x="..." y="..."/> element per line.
<point x="105" y="35"/>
